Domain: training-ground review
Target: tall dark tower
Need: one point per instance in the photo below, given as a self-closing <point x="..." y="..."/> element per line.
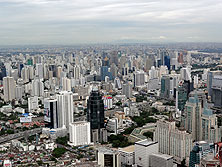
<point x="95" y="114"/>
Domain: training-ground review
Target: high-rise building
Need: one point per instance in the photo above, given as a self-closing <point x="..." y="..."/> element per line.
<point x="66" y="84"/>
<point x="39" y="71"/>
<point x="9" y="88"/>
<point x="79" y="133"/>
<point x="51" y="113"/>
<point x="143" y="149"/>
<point x="65" y="109"/>
<point x="95" y="113"/>
<point x="127" y="156"/>
<point x="216" y="90"/>
<point x="173" y="141"/>
<point x="199" y="120"/>
<point x="105" y="72"/>
<point x="199" y="151"/>
<point x="169" y="84"/>
<point x="127" y="89"/>
<point x="37" y="87"/>
<point x="139" y="78"/>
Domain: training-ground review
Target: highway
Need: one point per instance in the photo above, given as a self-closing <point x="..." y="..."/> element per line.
<point x="20" y="134"/>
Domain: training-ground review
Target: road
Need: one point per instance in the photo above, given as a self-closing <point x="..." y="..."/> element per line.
<point x="20" y="134"/>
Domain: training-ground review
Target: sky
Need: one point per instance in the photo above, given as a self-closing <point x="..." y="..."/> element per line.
<point x="104" y="21"/>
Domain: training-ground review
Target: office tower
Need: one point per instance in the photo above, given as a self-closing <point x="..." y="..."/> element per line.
<point x="117" y="83"/>
<point x="18" y="92"/>
<point x="79" y="133"/>
<point x="196" y="81"/>
<point x="209" y="128"/>
<point x="193" y="111"/>
<point x="181" y="98"/>
<point x="76" y="72"/>
<point x="105" y="72"/>
<point x="95" y="114"/>
<point x="66" y="84"/>
<point x="114" y="70"/>
<point x="216" y="90"/>
<point x="200" y="150"/>
<point x="143" y="149"/>
<point x="199" y="120"/>
<point x="65" y="108"/>
<point x="161" y="160"/>
<point x="153" y="84"/>
<point x="168" y="85"/>
<point x="180" y="58"/>
<point x="37" y="87"/>
<point x="149" y="63"/>
<point x="167" y="61"/>
<point x="108" y="157"/>
<point x="25" y="74"/>
<point x="14" y="74"/>
<point x="9" y="88"/>
<point x="33" y="103"/>
<point x="58" y="72"/>
<point x="185" y="74"/>
<point x="173" y="141"/>
<point x="51" y="113"/>
<point x="139" y="78"/>
<point x="127" y="89"/>
<point x="153" y="73"/>
<point x="39" y="71"/>
<point x="127" y="156"/>
<point x="163" y="70"/>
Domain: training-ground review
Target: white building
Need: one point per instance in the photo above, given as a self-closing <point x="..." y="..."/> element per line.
<point x="9" y="88"/>
<point x="79" y="133"/>
<point x="172" y="141"/>
<point x="143" y="149"/>
<point x="39" y="71"/>
<point x="65" y="108"/>
<point x="37" y="87"/>
<point x="66" y="84"/>
<point x="33" y="103"/>
<point x="127" y="155"/>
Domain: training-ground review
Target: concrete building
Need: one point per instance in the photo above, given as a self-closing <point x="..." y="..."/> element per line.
<point x="173" y="141"/>
<point x="51" y="112"/>
<point x="127" y="89"/>
<point x="127" y="156"/>
<point x="65" y="108"/>
<point x="143" y="149"/>
<point x="79" y="133"/>
<point x="9" y="88"/>
<point x="161" y="160"/>
<point x="108" y="157"/>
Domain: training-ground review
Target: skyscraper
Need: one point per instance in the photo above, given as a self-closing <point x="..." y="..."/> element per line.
<point x="65" y="109"/>
<point x="127" y="90"/>
<point x="9" y="88"/>
<point x="51" y="113"/>
<point x="95" y="113"/>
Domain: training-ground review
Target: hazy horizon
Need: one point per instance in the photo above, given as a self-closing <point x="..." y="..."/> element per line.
<point x="68" y="22"/>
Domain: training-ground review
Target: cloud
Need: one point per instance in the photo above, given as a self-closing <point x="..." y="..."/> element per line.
<point x="72" y="21"/>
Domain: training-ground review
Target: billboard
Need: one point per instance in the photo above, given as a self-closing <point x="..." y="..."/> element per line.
<point x="25" y="119"/>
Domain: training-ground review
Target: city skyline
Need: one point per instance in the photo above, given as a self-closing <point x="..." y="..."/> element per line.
<point x="82" y="22"/>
